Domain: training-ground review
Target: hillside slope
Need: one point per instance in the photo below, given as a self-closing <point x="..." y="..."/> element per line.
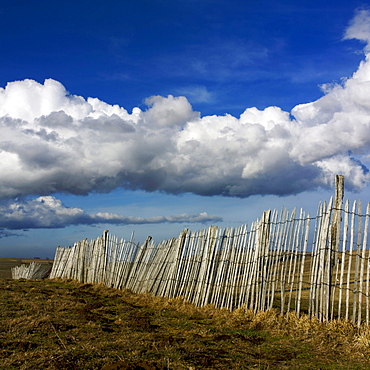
<point x="60" y="324"/>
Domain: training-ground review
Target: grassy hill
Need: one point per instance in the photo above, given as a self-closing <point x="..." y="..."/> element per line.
<point x="62" y="324"/>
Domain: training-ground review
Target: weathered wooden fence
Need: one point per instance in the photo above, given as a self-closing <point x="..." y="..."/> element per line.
<point x="286" y="260"/>
<point x="33" y="270"/>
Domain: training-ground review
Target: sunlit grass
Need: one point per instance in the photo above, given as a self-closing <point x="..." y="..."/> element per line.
<point x="61" y="324"/>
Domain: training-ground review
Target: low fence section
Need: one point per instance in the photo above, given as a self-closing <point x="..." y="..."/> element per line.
<point x="32" y="271"/>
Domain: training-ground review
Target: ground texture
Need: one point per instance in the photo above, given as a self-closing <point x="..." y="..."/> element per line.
<point x="62" y="324"/>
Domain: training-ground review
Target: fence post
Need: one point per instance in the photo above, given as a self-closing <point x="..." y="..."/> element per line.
<point x="105" y="238"/>
<point x="264" y="265"/>
<point x="334" y="237"/>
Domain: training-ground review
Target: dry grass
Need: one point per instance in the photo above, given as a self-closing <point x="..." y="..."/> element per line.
<point x="62" y="324"/>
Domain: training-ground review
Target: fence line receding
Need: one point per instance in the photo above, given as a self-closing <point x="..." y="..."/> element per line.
<point x="289" y="261"/>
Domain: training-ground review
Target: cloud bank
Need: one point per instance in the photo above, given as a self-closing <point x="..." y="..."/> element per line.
<point x="49" y="212"/>
<point x="54" y="142"/>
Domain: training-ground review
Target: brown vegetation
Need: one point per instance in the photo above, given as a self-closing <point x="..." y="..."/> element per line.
<point x="62" y="324"/>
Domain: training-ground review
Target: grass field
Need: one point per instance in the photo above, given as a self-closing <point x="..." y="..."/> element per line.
<point x="62" y="324"/>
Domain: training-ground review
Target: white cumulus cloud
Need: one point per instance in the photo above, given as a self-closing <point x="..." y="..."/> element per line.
<point x="359" y="27"/>
<point x="54" y="142"/>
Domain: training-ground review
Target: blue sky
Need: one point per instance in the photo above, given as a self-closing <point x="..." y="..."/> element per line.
<point x="152" y="116"/>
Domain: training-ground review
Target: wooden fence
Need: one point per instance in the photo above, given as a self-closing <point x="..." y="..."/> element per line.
<point x="289" y="261"/>
<point x="33" y="270"/>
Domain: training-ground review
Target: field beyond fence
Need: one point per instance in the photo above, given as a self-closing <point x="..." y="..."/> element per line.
<point x="291" y="261"/>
